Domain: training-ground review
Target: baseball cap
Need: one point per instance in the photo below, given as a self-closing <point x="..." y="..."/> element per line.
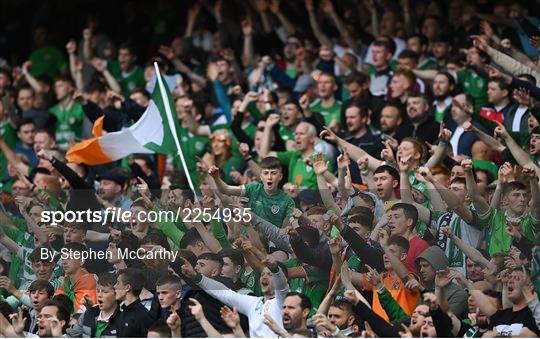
<point x="117" y="174"/>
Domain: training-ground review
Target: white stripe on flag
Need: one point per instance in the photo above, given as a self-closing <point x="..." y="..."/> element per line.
<point x="120" y="144"/>
<point x="149" y="128"/>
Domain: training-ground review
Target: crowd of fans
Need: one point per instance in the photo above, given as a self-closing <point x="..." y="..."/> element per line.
<point x="384" y="157"/>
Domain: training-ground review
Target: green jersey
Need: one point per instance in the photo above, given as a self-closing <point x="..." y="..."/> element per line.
<point x="173" y="233"/>
<point x="7" y="132"/>
<point x="474" y="85"/>
<point x="273" y="208"/>
<point x="314" y="286"/>
<point x="285" y="133"/>
<point x="495" y="222"/>
<point x="20" y="270"/>
<point x="69" y="124"/>
<point x="469" y="234"/>
<point x="250" y="129"/>
<point x="252" y="280"/>
<point x="193" y="146"/>
<point x="47" y="61"/>
<point x="427" y="63"/>
<point x="328" y="113"/>
<point x="127" y="81"/>
<point x="439" y="113"/>
<point x="300" y="174"/>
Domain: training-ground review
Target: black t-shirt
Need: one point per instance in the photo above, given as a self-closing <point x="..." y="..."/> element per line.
<point x="510" y="323"/>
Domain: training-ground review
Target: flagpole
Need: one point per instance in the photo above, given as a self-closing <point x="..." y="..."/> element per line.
<point x="173" y="127"/>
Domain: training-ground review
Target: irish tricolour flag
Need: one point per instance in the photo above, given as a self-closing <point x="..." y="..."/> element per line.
<point x="154" y="132"/>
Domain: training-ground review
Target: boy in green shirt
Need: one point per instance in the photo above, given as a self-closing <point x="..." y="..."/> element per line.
<point x="326" y="104"/>
<point x="497" y="221"/>
<point x="471" y="80"/>
<point x="126" y="72"/>
<point x="265" y="199"/>
<point x="69" y="113"/>
<point x="291" y="115"/>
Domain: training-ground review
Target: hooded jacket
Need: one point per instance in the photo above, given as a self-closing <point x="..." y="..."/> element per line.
<point x="455" y="294"/>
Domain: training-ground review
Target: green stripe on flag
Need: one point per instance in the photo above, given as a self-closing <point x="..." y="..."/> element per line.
<point x="168" y="146"/>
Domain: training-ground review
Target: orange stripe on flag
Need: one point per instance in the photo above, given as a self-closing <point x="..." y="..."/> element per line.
<point x="88" y="152"/>
<point x="97" y="130"/>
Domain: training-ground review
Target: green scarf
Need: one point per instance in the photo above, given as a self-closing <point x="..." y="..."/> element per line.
<point x="70" y="292"/>
<point x="100" y="327"/>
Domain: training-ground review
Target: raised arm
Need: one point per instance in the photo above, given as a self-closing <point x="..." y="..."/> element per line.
<point x="32" y="81"/>
<point x="344" y="178"/>
<point x="530" y="171"/>
<point x="192" y="14"/>
<point x="88" y="51"/>
<point x="71" y="48"/>
<point x="428" y="74"/>
<point x="437" y="203"/>
<point x="315" y="26"/>
<point x="484" y="137"/>
<point x="279" y="280"/>
<point x="271" y="121"/>
<point x="271" y="232"/>
<point x="452" y="201"/>
<point x="285" y="22"/>
<point x="478" y="200"/>
<point x="366" y="253"/>
<point x="248" y="51"/>
<point x="320" y="167"/>
<point x="440" y="150"/>
<point x="101" y="67"/>
<point x="11" y="245"/>
<point x="370" y="5"/>
<point x="469" y="251"/>
<point x="355" y="152"/>
<point x="253" y="256"/>
<point x="221" y="185"/>
<point x="519" y="154"/>
<point x="208" y="237"/>
<point x="12" y="158"/>
<point x="319" y="257"/>
<point x="328" y="8"/>
<point x="243" y="303"/>
<point x="197" y="311"/>
<point x="39" y="233"/>
<point x="397" y="265"/>
<point x="406" y="190"/>
<point x="330" y="296"/>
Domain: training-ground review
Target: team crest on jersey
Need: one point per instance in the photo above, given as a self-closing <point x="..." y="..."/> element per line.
<point x="274" y="209"/>
<point x="199" y="146"/>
